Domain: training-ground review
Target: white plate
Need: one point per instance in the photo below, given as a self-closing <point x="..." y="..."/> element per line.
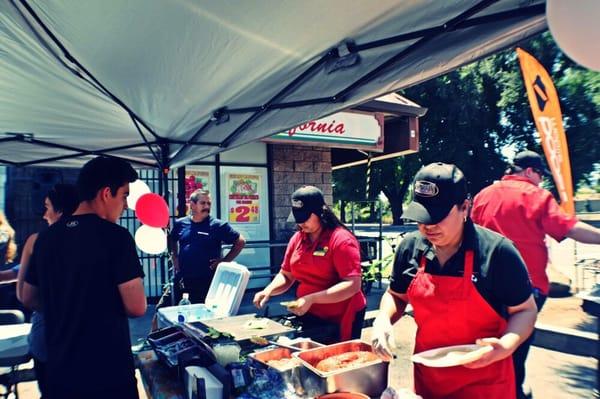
<point x="449" y="356"/>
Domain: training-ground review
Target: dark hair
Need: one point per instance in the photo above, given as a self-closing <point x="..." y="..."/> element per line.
<point x="64" y="198"/>
<point x="329" y="220"/>
<point x="103" y="172"/>
<point x="199" y="192"/>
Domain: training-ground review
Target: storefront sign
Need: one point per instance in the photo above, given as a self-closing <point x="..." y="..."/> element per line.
<point x="243" y="198"/>
<point x="342" y="130"/>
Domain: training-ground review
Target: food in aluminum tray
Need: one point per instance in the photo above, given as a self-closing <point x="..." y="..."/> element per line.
<point x="347" y="355"/>
<point x="367" y="376"/>
<point x="281" y="358"/>
<point x="278" y="358"/>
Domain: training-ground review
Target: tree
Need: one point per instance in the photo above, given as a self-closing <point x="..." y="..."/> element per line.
<point x="349" y="185"/>
<point x="479" y="109"/>
<point x="579" y="94"/>
<point x="394" y="176"/>
<point x="460" y="127"/>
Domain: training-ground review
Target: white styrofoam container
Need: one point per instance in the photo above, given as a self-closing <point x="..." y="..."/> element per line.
<point x="13" y="339"/>
<point x="223" y="299"/>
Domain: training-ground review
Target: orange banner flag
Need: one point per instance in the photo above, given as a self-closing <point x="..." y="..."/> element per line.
<point x="543" y="100"/>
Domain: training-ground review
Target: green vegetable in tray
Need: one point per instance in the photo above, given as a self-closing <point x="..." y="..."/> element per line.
<point x="216" y="334"/>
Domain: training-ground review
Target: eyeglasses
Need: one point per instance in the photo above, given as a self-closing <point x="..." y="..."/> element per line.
<point x="539" y="172"/>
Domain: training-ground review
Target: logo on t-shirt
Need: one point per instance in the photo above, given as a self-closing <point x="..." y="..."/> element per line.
<point x="73" y="223"/>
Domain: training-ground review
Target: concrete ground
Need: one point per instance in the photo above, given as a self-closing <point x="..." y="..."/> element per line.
<point x="552" y="374"/>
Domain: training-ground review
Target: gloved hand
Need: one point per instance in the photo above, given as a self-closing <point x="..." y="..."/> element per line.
<point x="402" y="393"/>
<point x="382" y="338"/>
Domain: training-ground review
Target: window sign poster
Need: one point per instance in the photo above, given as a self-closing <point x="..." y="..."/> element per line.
<point x="198" y="177"/>
<point x="243" y="196"/>
<point x="250" y="184"/>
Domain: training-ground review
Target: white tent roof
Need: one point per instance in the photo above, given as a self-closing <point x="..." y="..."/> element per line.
<point x="194" y="77"/>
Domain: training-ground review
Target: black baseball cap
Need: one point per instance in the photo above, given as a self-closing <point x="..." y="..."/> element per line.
<point x="437" y="187"/>
<point x="306" y="200"/>
<point x="529" y="159"/>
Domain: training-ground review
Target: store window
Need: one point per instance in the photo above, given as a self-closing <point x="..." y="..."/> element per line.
<point x="245" y="205"/>
<point x="238" y="182"/>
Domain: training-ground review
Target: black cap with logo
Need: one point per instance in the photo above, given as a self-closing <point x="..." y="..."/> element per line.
<point x="306" y="200"/>
<point x="437" y="187"/>
<point x="529" y="159"/>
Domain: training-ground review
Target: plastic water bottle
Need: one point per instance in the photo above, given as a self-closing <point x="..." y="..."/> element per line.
<point x="182" y="314"/>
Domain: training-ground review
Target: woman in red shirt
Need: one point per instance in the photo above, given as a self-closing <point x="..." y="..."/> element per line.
<point x="324" y="257"/>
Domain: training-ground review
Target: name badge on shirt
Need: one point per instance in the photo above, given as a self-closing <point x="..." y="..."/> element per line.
<point x="202" y="232"/>
<point x="320" y="251"/>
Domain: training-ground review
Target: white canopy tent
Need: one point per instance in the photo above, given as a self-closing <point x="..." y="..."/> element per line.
<point x="165" y="82"/>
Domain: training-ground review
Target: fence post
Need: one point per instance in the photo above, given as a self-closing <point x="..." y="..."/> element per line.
<point x="380" y="216"/>
<point x="352" y="213"/>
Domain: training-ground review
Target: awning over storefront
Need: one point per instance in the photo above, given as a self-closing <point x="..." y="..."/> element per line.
<point x="163" y="83"/>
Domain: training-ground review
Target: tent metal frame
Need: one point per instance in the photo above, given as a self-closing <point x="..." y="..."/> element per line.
<point x="221" y="115"/>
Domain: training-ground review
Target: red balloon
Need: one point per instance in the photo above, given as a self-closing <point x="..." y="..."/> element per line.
<point x="152" y="210"/>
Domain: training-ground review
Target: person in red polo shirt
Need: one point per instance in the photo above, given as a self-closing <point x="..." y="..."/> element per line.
<point x="525" y="213"/>
<point x="324" y="257"/>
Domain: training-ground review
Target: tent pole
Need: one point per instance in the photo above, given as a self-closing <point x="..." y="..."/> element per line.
<point x="163" y="190"/>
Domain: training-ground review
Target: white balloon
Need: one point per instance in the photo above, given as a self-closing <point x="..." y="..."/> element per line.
<point x="575" y="28"/>
<point x="152" y="240"/>
<point x="136" y="190"/>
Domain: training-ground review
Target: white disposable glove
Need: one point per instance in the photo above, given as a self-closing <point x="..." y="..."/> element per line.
<point x="402" y="393"/>
<point x="383" y="338"/>
<point x="389" y="393"/>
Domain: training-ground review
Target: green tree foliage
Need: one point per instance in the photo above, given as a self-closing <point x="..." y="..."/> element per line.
<point x="479" y="109"/>
<point x="462" y="124"/>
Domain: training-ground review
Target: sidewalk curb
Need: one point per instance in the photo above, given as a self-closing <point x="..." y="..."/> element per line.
<point x="566" y="340"/>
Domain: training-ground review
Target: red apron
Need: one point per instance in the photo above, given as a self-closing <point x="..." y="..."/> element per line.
<point x="317" y="273"/>
<point x="342" y="313"/>
<point x="450" y="311"/>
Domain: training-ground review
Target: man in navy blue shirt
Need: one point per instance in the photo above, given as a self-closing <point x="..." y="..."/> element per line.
<point x="196" y="247"/>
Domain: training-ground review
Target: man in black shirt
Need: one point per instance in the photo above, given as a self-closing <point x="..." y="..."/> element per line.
<point x="86" y="278"/>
